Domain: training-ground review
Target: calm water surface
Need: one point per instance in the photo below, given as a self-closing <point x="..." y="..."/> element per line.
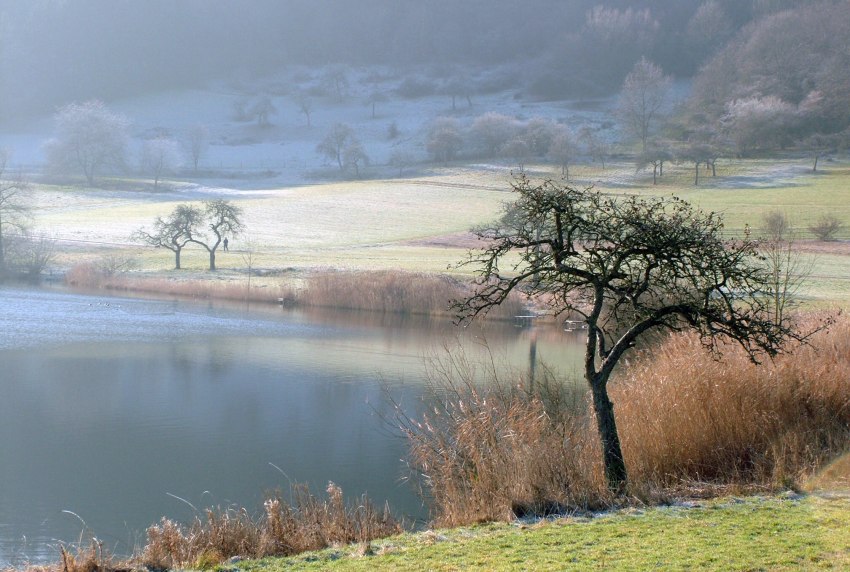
<point x="110" y="408"/>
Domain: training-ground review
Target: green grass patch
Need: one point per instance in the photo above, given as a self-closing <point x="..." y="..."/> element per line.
<point x="777" y="533"/>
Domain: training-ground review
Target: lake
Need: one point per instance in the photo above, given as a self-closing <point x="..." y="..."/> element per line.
<point x="115" y="412"/>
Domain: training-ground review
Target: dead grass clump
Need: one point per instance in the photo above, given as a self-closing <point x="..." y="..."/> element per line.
<point x="284" y="529"/>
<point x="687" y="418"/>
<point x="689" y="424"/>
<point x="492" y="451"/>
<point x="392" y="291"/>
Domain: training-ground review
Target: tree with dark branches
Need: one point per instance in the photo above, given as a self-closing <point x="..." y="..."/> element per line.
<point x="222" y="218"/>
<point x="173" y="232"/>
<point x="628" y="266"/>
<point x="14" y="210"/>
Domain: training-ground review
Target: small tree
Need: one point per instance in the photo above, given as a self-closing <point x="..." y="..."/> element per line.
<point x="826" y="227"/>
<point x="197" y="142"/>
<point x="173" y="232"/>
<point x="90" y="138"/>
<point x="491" y="130"/>
<point x="641" y="100"/>
<point x="13" y="208"/>
<point x="375" y="98"/>
<point x="305" y="106"/>
<point x="518" y="149"/>
<point x="160" y="156"/>
<point x="263" y="109"/>
<point x="221" y="218"/>
<point x="562" y="150"/>
<point x="594" y="145"/>
<point x="628" y="266"/>
<point x="335" y="142"/>
<point x="444" y="140"/>
<point x="787" y="268"/>
<point x="354" y="156"/>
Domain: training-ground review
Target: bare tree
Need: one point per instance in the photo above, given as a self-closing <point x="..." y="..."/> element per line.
<point x="197" y="142"/>
<point x="402" y="160"/>
<point x="305" y="106"/>
<point x="336" y="78"/>
<point x="14" y="210"/>
<point x="594" y="145"/>
<point x="444" y="140"/>
<point x="263" y="109"/>
<point x="90" y="138"/>
<point x="655" y="156"/>
<point x="173" y="232"/>
<point x="221" y="218"/>
<point x="518" y="149"/>
<point x="491" y="130"/>
<point x="788" y="269"/>
<point x="30" y="254"/>
<point x="562" y="150"/>
<point x="642" y="99"/>
<point x="335" y="142"/>
<point x="160" y="156"/>
<point x="354" y="156"/>
<point x="628" y="266"/>
<point x="375" y="98"/>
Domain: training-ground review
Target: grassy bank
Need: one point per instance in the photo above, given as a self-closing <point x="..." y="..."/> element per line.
<point x="775" y="533"/>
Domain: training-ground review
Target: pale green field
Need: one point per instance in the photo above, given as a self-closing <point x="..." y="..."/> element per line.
<point x="420" y="224"/>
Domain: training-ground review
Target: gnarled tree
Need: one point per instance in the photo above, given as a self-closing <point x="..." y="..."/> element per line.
<point x="173" y="232"/>
<point x="221" y="218"/>
<point x="628" y="266"/>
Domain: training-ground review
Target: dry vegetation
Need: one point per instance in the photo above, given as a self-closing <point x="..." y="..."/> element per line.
<point x="307" y="523"/>
<point x="691" y="425"/>
<point x="377" y="291"/>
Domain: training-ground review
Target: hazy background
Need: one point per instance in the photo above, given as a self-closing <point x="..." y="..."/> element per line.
<point x="57" y="51"/>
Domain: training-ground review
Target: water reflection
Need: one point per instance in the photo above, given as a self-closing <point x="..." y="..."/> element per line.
<point x="110" y="406"/>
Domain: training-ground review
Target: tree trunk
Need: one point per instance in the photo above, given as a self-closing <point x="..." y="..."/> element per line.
<point x="177" y="259"/>
<point x="696" y="175"/>
<point x="612" y="455"/>
<point x="212" y="259"/>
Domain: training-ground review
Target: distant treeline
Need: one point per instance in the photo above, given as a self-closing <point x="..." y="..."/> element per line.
<point x="56" y="51"/>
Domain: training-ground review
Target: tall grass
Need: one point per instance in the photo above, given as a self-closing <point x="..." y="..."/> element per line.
<point x="308" y="523"/>
<point x="687" y="418"/>
<point x="389" y="291"/>
<point x="690" y="425"/>
<point x="392" y="291"/>
<point x="216" y="535"/>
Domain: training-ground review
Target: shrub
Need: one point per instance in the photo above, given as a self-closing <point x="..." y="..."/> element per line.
<point x="826" y="227"/>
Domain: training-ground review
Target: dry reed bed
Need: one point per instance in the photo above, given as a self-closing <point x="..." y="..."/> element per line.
<point x="307" y="523"/>
<point x="376" y="291"/>
<point x="690" y="425"/>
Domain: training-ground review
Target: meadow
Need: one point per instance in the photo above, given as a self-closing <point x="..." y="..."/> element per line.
<point x="420" y="224"/>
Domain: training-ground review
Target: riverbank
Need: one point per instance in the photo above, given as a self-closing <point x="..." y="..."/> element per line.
<point x="784" y="532"/>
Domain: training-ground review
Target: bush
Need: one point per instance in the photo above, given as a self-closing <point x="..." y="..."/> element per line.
<point x="826" y="227"/>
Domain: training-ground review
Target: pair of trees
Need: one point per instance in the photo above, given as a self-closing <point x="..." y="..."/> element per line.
<point x="627" y="266"/>
<point x="342" y="146"/>
<point x="206" y="226"/>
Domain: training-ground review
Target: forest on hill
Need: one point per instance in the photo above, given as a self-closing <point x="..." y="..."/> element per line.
<point x="53" y="52"/>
